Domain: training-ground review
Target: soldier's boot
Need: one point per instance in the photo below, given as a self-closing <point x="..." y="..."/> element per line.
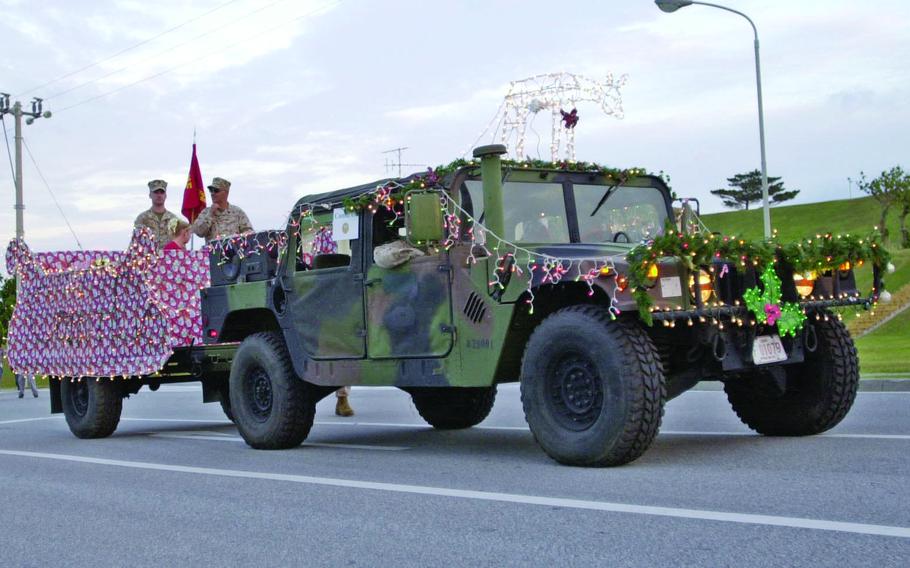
<point x="342" y="408"/>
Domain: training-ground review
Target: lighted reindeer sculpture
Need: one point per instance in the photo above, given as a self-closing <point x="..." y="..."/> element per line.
<point x="559" y="93"/>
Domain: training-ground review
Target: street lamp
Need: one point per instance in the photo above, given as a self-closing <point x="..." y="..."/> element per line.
<point x="670" y="6"/>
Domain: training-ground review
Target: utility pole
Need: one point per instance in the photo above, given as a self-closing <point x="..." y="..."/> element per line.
<point x="18" y="113"/>
<point x="398" y="163"/>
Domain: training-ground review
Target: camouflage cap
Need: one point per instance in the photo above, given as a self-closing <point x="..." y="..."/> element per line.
<point x="157" y="184"/>
<point x="220" y="183"/>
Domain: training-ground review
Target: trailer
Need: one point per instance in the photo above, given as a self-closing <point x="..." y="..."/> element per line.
<point x="103" y="324"/>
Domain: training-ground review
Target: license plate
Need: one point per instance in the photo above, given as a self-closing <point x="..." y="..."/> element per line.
<point x="768" y="349"/>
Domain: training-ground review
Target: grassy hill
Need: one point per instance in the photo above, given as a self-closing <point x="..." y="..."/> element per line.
<point x="855" y="216"/>
<point x="887" y="349"/>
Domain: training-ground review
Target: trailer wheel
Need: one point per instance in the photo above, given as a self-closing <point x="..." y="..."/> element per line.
<point x="816" y="394"/>
<point x="592" y="389"/>
<point x="272" y="407"/>
<point x="91" y="406"/>
<point x="453" y="408"/>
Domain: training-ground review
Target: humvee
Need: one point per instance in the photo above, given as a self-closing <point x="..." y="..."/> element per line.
<point x="449" y="325"/>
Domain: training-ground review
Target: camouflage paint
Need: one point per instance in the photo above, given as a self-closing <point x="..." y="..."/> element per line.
<point x="433" y="321"/>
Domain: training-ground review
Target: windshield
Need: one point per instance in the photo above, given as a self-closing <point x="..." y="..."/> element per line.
<point x="535" y="212"/>
<point x="628" y="215"/>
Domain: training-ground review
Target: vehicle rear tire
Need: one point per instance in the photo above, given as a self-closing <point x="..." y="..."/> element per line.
<point x="453" y="408"/>
<point x="817" y="393"/>
<point x="592" y="389"/>
<point x="91" y="406"/>
<point x="271" y="406"/>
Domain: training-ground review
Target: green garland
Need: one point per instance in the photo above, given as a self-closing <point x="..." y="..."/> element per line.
<point x="820" y="253"/>
<point x="434" y="177"/>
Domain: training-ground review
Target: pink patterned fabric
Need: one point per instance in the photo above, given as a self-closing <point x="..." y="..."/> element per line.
<point x="104" y="313"/>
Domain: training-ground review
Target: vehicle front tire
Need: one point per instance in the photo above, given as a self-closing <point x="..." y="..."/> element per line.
<point x="816" y="394"/>
<point x="91" y="406"/>
<point x="271" y="406"/>
<point x="592" y="389"/>
<point x="453" y="408"/>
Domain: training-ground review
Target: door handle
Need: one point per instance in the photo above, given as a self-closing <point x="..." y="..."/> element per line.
<point x="372" y="281"/>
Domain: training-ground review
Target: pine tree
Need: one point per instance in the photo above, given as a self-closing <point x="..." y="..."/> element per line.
<point x="746" y="189"/>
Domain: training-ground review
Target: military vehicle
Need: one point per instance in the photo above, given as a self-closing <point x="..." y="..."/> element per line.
<point x="465" y="314"/>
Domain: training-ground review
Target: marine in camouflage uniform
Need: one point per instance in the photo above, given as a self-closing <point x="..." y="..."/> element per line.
<point x="159" y="222"/>
<point x="221" y="219"/>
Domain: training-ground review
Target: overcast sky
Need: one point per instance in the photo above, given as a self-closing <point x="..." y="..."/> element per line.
<point x="298" y="96"/>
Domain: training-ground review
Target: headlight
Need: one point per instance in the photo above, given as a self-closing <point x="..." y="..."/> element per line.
<point x="805" y="283"/>
<point x="705" y="285"/>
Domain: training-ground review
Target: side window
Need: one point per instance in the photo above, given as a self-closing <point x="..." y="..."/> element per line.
<point x="472" y="198"/>
<point x="317" y="247"/>
<point x="386" y="227"/>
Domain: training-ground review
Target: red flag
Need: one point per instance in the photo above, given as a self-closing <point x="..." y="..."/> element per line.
<point x="194" y="194"/>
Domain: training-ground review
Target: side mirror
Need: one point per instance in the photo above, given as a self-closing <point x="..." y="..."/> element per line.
<point x="423" y="218"/>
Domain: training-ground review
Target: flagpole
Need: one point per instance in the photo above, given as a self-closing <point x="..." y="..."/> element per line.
<point x="193" y="236"/>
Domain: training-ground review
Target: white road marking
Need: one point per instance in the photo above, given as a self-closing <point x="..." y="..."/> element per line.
<point x="721" y="392"/>
<point x="194" y="420"/>
<point x="228" y="438"/>
<point x="195" y="433"/>
<point x="417" y="426"/>
<point x="755" y="435"/>
<point x="29" y="419"/>
<point x="663" y="432"/>
<point x="672" y="512"/>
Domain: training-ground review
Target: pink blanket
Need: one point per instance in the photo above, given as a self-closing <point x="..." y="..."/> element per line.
<point x="104" y="313"/>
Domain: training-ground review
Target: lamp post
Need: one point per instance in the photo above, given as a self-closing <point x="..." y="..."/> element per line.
<point x="670" y="6"/>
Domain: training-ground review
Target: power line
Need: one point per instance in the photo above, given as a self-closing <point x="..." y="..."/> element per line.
<point x="49" y="190"/>
<point x="206" y="56"/>
<point x="179" y="45"/>
<point x="122" y="51"/>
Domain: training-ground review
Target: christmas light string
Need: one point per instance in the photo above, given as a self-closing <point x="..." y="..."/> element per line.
<point x="824" y="252"/>
<point x="128" y="318"/>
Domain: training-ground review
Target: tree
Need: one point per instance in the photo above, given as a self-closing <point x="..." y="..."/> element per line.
<point x="746" y="189"/>
<point x="905" y="210"/>
<point x="891" y="188"/>
<point x="7" y="302"/>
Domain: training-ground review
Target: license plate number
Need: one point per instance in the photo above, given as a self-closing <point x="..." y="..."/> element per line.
<point x="768" y="349"/>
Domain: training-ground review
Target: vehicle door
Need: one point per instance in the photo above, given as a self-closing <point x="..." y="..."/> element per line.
<point x="408" y="306"/>
<point x="326" y="303"/>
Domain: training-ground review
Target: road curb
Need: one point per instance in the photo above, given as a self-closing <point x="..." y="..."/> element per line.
<point x="865" y="385"/>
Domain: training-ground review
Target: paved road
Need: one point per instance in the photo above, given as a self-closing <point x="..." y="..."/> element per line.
<point x="176" y="486"/>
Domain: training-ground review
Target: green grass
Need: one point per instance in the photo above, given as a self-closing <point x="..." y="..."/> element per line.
<point x="793" y="222"/>
<point x="887" y="349"/>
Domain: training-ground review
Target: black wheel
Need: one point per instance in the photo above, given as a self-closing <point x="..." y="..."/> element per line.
<point x="225" y="401"/>
<point x="592" y="389"/>
<point x="91" y="406"/>
<point x="808" y="398"/>
<point x="271" y="406"/>
<point x="453" y="408"/>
